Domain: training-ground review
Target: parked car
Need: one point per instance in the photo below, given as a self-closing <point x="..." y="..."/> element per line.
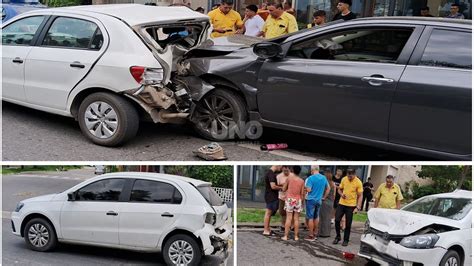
<point x="184" y="218"/>
<point x="433" y="230"/>
<point x="99" y="170"/>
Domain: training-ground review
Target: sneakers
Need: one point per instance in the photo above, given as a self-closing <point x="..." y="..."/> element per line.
<point x="336" y="240"/>
<point x="310" y="238"/>
<point x="345" y="243"/>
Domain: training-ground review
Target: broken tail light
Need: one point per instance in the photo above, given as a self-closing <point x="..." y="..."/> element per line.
<point x="146" y="76"/>
<point x="210" y="218"/>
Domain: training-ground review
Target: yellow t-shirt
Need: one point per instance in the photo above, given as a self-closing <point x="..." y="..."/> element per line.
<point x="350" y="189"/>
<point x="388" y="197"/>
<point x="286" y="23"/>
<point x="227" y="21"/>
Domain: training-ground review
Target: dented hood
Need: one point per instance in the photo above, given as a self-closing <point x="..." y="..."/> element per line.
<point x="399" y="222"/>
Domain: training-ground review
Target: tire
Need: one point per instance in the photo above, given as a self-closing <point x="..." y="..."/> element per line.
<point x="112" y="120"/>
<point x="186" y="242"/>
<point x="208" y="111"/>
<point x="40" y="235"/>
<point x="451" y="258"/>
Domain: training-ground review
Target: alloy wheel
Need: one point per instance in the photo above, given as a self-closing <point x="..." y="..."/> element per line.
<point x="181" y="252"/>
<point x="214" y="110"/>
<point x="101" y="120"/>
<point x="451" y="262"/>
<point x="38" y="235"/>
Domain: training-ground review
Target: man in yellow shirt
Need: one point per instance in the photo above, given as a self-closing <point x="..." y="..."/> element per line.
<point x="279" y="22"/>
<point x="388" y="195"/>
<point x="224" y="20"/>
<point x="350" y="202"/>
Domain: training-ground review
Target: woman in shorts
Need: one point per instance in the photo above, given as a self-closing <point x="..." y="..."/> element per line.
<point x="295" y="191"/>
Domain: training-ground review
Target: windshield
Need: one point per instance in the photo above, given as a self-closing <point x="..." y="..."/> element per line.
<point x="452" y="208"/>
<point x="210" y="195"/>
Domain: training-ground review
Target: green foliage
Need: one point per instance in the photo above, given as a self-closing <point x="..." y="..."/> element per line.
<point x="6" y="169"/>
<point x="58" y="3"/>
<point x="218" y="175"/>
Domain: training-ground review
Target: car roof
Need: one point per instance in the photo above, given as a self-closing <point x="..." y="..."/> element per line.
<point x="157" y="176"/>
<point x="137" y="14"/>
<point x="418" y="20"/>
<point x="459" y="193"/>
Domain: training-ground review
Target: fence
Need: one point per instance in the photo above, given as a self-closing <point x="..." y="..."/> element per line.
<point x="227" y="194"/>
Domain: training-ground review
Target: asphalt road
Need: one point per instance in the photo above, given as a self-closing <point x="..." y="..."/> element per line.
<point x="15" y="252"/>
<point x="31" y="135"/>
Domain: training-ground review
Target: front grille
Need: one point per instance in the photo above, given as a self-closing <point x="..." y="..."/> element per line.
<point x="13" y="227"/>
<point x="368" y="250"/>
<point x="385" y="236"/>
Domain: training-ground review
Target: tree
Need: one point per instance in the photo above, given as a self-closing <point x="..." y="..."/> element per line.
<point x="59" y="3"/>
<point x="447" y="178"/>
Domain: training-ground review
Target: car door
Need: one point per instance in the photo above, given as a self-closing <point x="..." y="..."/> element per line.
<point x="93" y="215"/>
<point x="340" y="81"/>
<point x="67" y="50"/>
<point x="432" y="107"/>
<point x="17" y="40"/>
<point x="152" y="209"/>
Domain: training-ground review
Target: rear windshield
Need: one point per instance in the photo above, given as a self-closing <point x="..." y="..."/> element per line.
<point x="452" y="208"/>
<point x="211" y="195"/>
<point x="186" y="36"/>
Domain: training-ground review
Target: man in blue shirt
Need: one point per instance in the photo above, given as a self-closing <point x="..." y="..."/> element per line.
<point x="317" y="187"/>
<point x="454" y="12"/>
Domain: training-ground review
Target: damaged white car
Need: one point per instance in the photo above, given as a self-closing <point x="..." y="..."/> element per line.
<point x="184" y="218"/>
<point x="108" y="66"/>
<point x="433" y="230"/>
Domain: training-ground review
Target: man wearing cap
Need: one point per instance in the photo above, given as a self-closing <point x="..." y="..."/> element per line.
<point x="345" y="13"/>
<point x="350" y="202"/>
<point x="388" y="195"/>
<point x="224" y="20"/>
<point x="253" y="23"/>
<point x="278" y="23"/>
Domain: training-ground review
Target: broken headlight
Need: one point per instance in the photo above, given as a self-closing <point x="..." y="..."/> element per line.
<point x="367" y="227"/>
<point x="420" y="241"/>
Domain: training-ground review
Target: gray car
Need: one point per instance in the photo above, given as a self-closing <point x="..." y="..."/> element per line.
<point x="398" y="83"/>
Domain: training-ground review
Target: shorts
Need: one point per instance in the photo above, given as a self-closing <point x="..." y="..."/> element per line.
<point x="281" y="207"/>
<point x="312" y="209"/>
<point x="273" y="206"/>
<point x="293" y="205"/>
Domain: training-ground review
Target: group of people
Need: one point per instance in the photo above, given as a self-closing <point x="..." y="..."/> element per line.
<point x="326" y="199"/>
<point x="453" y="12"/>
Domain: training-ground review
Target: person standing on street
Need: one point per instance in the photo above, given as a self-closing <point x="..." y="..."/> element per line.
<point x="271" y="197"/>
<point x="326" y="208"/>
<point x="337" y="181"/>
<point x="281" y="181"/>
<point x="252" y="22"/>
<point x="425" y="11"/>
<point x="454" y="12"/>
<point x="225" y="21"/>
<point x="367" y="196"/>
<point x="287" y="6"/>
<point x="388" y="195"/>
<point x="344" y="8"/>
<point x="318" y="189"/>
<point x="278" y="23"/>
<point x="350" y="202"/>
<point x="319" y="19"/>
<point x="294" y="188"/>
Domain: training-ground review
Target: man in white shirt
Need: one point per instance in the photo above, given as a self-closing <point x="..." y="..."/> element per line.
<point x="253" y="23"/>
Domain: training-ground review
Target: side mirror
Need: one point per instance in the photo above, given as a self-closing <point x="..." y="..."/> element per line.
<point x="71" y="196"/>
<point x="266" y="50"/>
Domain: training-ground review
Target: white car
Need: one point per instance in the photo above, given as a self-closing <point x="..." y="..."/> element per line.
<point x="184" y="218"/>
<point x="105" y="65"/>
<point x="433" y="230"/>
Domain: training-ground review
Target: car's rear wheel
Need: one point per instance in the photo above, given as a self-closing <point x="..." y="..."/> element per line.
<point x="39" y="235"/>
<point x="220" y="114"/>
<point x="182" y="250"/>
<point x="107" y="119"/>
<point x="451" y="258"/>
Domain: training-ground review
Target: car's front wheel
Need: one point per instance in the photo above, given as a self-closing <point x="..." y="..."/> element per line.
<point x="220" y="115"/>
<point x="39" y="235"/>
<point x="182" y="250"/>
<point x="108" y="119"/>
<point x="451" y="258"/>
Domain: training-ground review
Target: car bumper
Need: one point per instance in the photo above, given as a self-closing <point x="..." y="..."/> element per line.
<point x="391" y="253"/>
<point x="215" y="240"/>
<point x="16" y="223"/>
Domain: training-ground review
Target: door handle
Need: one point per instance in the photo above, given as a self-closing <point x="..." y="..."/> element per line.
<point x="167" y="214"/>
<point x="17" y="60"/>
<point x="77" y="64"/>
<point x="112" y="213"/>
<point x="377" y="81"/>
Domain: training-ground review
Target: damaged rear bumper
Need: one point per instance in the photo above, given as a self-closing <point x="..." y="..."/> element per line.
<point x="216" y="241"/>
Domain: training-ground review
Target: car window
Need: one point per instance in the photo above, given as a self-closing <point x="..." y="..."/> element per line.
<point x="103" y="190"/>
<point x="184" y="36"/>
<point x="452" y="208"/>
<point x="21" y="32"/>
<point x="73" y="33"/>
<point x="440" y="51"/>
<point x="368" y="45"/>
<point x="153" y="191"/>
<point x="210" y="195"/>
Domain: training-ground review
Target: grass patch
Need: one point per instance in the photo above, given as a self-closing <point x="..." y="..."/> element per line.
<point x="10" y="170"/>
<point x="360" y="217"/>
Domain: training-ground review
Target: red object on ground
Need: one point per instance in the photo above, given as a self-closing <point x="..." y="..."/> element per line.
<point x="348" y="255"/>
<point x="269" y="147"/>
